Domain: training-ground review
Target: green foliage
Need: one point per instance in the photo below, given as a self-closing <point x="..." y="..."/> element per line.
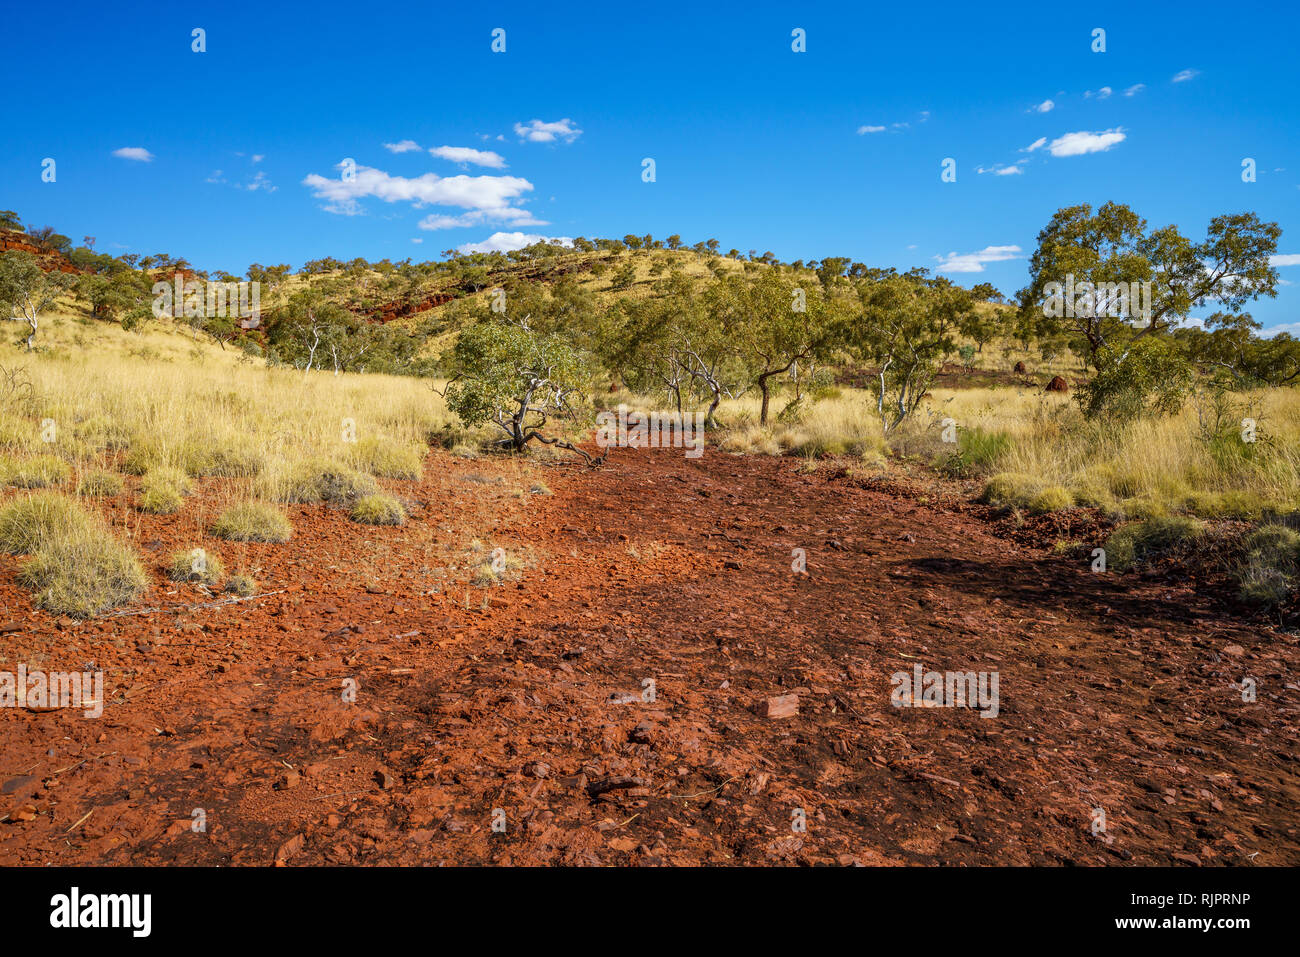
<point x="515" y="378"/>
<point x="1142" y="541"/>
<point x="1150" y="377"/>
<point x="1098" y="257"/>
<point x="26" y="291"/>
<point x="977" y="451"/>
<point x="906" y="329"/>
<point x="1270" y="566"/>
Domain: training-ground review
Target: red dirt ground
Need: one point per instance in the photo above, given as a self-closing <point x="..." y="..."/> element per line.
<point x="1117" y="692"/>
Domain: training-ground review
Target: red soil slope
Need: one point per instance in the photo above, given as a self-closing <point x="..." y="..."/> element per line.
<point x="1115" y="692"/>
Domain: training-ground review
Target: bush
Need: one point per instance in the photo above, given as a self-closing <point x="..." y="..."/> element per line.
<point x="389" y="459"/>
<point x="1053" y="498"/>
<point x="29" y="521"/>
<point x="196" y="565"/>
<point x="1271" y="565"/>
<point x="323" y="481"/>
<point x="40" y="471"/>
<point x="980" y="448"/>
<point x="163" y="490"/>
<point x="84" y="575"/>
<point x="242" y="585"/>
<point x="77" y="567"/>
<point x="143" y="455"/>
<point x="100" y="484"/>
<point x="224" y="457"/>
<point x="1142" y="541"/>
<point x="253" y="522"/>
<point x="1007" y="490"/>
<point x="378" y="510"/>
<point x="1140" y="378"/>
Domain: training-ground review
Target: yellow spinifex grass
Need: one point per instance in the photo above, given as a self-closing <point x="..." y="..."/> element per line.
<point x="161" y="399"/>
<point x="1054" y="458"/>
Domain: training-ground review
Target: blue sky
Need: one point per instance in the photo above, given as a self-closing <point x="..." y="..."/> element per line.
<point x="754" y="144"/>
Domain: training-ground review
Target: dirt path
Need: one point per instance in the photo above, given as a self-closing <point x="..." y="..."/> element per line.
<point x="1113" y="693"/>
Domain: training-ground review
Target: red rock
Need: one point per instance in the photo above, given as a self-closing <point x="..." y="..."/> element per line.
<point x="780" y="706"/>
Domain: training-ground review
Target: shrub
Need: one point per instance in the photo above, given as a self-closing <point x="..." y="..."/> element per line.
<point x="253" y="522"/>
<point x="1142" y="541"/>
<point x="1053" y="498"/>
<point x="29" y="521"/>
<point x="163" y="490"/>
<point x="1271" y="564"/>
<point x="77" y="566"/>
<point x="389" y="459"/>
<point x="84" y="575"/>
<point x="1007" y="489"/>
<point x="980" y="448"/>
<point x="143" y="455"/>
<point x="241" y="584"/>
<point x="39" y="471"/>
<point x="224" y="457"/>
<point x="322" y="481"/>
<point x="100" y="484"/>
<point x="196" y="565"/>
<point x="378" y="510"/>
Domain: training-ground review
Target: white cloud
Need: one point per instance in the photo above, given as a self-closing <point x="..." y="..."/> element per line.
<point x="260" y="182"/>
<point x="464" y="154"/>
<point x="1036" y="144"/>
<point x="402" y="146"/>
<point x="258" y="157"/>
<point x="1292" y="327"/>
<point x="975" y="262"/>
<point x="537" y="131"/>
<point x="1184" y="75"/>
<point x="1045" y="107"/>
<point x="1077" y="144"/>
<point x="1135" y="89"/>
<point x="1285" y="259"/>
<point x="509" y="216"/>
<point x="216" y="177"/>
<point x="138" y="153"/>
<point x="417" y="240"/>
<point x="1101" y="94"/>
<point x="997" y="169"/>
<point x="505" y="242"/>
<point x="492" y="196"/>
<point x="870" y="129"/>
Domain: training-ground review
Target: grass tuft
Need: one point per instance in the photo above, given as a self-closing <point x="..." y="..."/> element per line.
<point x="253" y="522"/>
<point x="378" y="509"/>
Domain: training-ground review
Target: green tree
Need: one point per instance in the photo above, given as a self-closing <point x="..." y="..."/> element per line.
<point x="905" y="328"/>
<point x="26" y="291"/>
<point x="517" y="379"/>
<point x="773" y="323"/>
